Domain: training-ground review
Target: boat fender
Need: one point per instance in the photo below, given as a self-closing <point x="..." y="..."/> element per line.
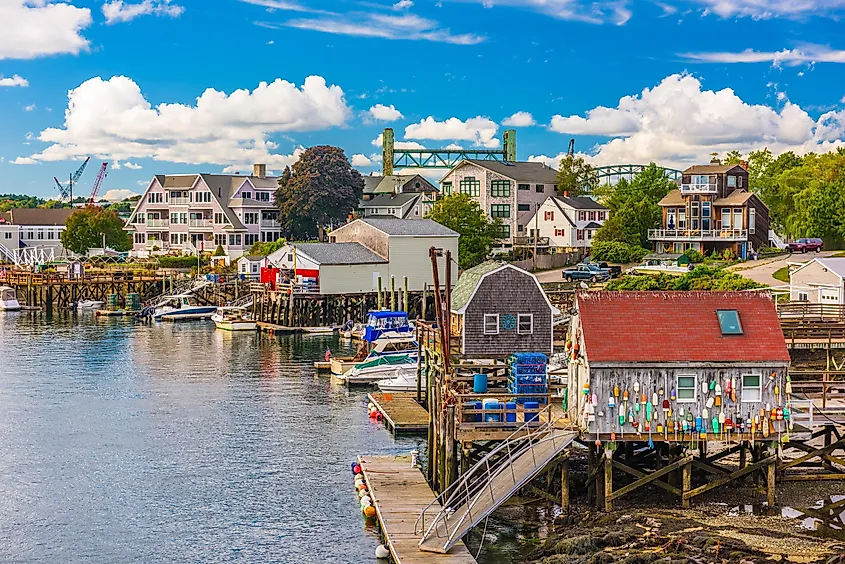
<point x="369" y="512"/>
<point x="710" y="402"/>
<point x="382" y="552"/>
<point x="356" y="468"/>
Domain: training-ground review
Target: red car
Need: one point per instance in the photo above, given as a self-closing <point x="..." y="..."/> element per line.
<point x="805" y="245"/>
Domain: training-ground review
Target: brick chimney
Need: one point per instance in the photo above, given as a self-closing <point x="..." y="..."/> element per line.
<point x="259" y="170"/>
<point x="744" y="164"/>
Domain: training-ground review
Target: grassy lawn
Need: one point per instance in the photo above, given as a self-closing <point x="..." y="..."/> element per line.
<point x="781" y="274"/>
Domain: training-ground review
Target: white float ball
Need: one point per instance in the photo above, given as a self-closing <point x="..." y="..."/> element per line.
<point x="382" y="552"/>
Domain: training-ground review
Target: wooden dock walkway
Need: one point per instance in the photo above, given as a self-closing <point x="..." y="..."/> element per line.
<point x="399" y="493"/>
<point x="401" y="411"/>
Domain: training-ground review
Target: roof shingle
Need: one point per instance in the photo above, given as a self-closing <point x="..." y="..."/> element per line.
<point x="420" y="227"/>
<point x="339" y="253"/>
<point x="520" y="172"/>
<point x="655" y="327"/>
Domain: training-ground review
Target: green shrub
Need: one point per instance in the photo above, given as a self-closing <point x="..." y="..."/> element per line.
<point x="181" y="262"/>
<point x="700" y="278"/>
<point x="694" y="256"/>
<point x="617" y="252"/>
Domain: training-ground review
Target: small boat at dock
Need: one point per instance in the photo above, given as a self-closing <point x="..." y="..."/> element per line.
<point x="378" y="368"/>
<point x="181" y="308"/>
<point x="89" y="305"/>
<point x="233" y="319"/>
<point x="403" y="380"/>
<point x="9" y="299"/>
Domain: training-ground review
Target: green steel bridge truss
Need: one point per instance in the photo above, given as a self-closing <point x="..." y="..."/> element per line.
<point x="393" y="158"/>
<point x="628" y="171"/>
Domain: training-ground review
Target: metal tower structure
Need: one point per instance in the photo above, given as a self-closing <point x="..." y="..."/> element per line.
<point x="67" y="191"/>
<point x="393" y="158"/>
<point x="629" y="171"/>
<point x="100" y="176"/>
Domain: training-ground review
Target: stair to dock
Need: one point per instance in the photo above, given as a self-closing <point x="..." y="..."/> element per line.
<point x="491" y="482"/>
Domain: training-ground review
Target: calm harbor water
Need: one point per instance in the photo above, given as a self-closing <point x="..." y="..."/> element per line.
<point x="123" y="442"/>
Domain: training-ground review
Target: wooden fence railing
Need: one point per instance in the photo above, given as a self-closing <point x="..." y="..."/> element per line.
<point x="819" y="332"/>
<point x="805" y="311"/>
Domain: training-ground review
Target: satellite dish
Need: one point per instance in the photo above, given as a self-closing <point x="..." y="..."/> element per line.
<point x="584" y="286"/>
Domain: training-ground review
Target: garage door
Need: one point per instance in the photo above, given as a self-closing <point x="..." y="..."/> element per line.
<point x="828" y="296"/>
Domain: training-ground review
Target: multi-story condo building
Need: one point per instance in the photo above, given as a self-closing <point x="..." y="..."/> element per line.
<point x="192" y="213"/>
<point x="511" y="191"/>
<point x="399" y="196"/>
<point x="713" y="210"/>
<point x="34" y="228"/>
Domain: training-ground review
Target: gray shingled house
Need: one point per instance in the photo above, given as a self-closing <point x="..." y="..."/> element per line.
<point x="499" y="309"/>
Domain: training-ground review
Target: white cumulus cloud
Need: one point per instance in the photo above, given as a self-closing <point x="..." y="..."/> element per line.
<point x="112" y="119"/>
<point x="37" y="28"/>
<point x="403" y="5"/>
<point x="119" y="195"/>
<point x="29" y="108"/>
<point x="14" y="80"/>
<point x="478" y="130"/>
<point x="520" y="119"/>
<point x="677" y="122"/>
<point x="132" y="166"/>
<point x="361" y="160"/>
<point x="405" y="26"/>
<point x="805" y="54"/>
<point x="380" y="112"/>
<point x="768" y="9"/>
<point x="379" y="142"/>
<point x="117" y="11"/>
<point x="24" y="161"/>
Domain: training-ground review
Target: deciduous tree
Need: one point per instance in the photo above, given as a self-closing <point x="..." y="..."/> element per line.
<point x="478" y="233"/>
<point x="319" y="191"/>
<point x="576" y="176"/>
<point x="86" y="227"/>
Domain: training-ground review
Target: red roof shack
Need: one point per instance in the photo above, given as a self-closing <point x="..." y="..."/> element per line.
<point x="702" y="354"/>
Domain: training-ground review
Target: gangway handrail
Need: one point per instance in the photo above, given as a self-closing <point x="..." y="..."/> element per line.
<point x="479" y="478"/>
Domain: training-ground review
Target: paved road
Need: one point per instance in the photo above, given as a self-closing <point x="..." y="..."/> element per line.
<point x="761" y="271"/>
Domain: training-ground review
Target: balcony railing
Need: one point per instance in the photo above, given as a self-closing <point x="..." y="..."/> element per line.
<point x="158" y="223"/>
<point x="270" y="223"/>
<point x="693" y="188"/>
<point x="180" y="201"/>
<point x="529" y="241"/>
<point x="200" y="223"/>
<point x="698" y="234"/>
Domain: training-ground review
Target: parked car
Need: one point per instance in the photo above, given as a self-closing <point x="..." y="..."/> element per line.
<point x="614" y="270"/>
<point x="586" y="272"/>
<point x="805" y="245"/>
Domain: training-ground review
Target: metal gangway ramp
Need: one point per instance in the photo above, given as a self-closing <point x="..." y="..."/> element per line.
<point x="492" y="481"/>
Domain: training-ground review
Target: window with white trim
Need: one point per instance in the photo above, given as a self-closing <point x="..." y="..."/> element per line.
<point x="803" y="296"/>
<point x="525" y="324"/>
<point x="752" y="220"/>
<point x="687" y="386"/>
<point x="752" y="388"/>
<point x="491" y="323"/>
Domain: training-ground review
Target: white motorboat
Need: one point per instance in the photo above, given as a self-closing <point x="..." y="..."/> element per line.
<point x="93" y="305"/>
<point x="181" y="308"/>
<point x="403" y="380"/>
<point x="9" y="299"/>
<point x="233" y="319"/>
<point x="378" y="368"/>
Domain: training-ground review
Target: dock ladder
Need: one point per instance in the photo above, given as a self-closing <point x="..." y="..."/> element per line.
<point x="491" y="481"/>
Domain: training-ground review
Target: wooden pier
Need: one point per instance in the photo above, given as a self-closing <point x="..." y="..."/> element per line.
<point x="401" y="411"/>
<point x="400" y="493"/>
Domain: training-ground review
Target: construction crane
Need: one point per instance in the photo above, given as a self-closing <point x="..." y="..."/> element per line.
<point x="100" y="176"/>
<point x="67" y="191"/>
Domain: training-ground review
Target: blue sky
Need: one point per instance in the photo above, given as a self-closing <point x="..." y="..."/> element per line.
<point x="157" y="86"/>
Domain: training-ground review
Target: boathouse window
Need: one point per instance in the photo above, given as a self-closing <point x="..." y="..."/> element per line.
<point x="500" y="210"/>
<point x="471" y="186"/>
<point x="729" y="321"/>
<point x="491" y="323"/>
<point x="752" y="390"/>
<point x="523" y="187"/>
<point x="731" y="181"/>
<point x="525" y="324"/>
<point x="687" y="387"/>
<point x="803" y="296"/>
<point x="500" y="188"/>
<point x="447" y="188"/>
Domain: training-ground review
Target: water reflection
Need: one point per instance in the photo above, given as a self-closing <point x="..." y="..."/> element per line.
<point x="127" y="442"/>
